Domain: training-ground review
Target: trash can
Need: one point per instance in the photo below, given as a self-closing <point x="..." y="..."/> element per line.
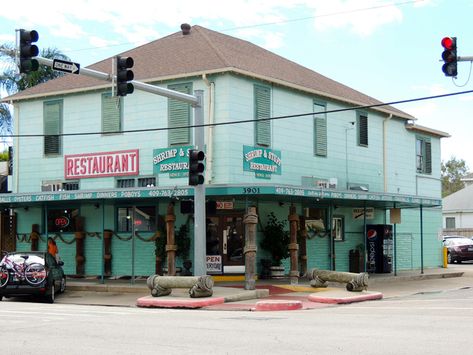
<point x="354" y="259"/>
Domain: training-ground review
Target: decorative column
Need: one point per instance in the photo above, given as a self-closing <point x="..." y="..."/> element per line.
<point x="34" y="237"/>
<point x="293" y="247"/>
<point x="171" y="246"/>
<point x="80" y="240"/>
<point x="250" y="220"/>
<point x="107" y="254"/>
<point x="303" y="246"/>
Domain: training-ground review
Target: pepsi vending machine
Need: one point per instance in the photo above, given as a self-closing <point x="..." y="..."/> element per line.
<point x="379" y="246"/>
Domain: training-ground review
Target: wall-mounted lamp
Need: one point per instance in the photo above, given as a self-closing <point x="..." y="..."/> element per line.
<point x="26" y="208"/>
<point x="96" y="205"/>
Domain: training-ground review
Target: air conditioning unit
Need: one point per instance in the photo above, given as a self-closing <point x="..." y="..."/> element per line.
<point x="358" y="187"/>
<point x="51" y="186"/>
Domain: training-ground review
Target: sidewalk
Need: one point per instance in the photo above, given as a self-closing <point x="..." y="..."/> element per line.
<point x="269" y="294"/>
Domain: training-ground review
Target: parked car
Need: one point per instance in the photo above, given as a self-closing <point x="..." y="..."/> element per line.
<point x="459" y="249"/>
<point x="31" y="273"/>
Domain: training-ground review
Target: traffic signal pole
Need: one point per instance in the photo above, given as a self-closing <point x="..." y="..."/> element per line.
<point x="197" y="102"/>
<point x="190" y="99"/>
<point x="200" y="267"/>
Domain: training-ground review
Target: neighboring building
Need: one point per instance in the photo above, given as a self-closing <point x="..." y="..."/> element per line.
<point x="343" y="170"/>
<point x="457" y="212"/>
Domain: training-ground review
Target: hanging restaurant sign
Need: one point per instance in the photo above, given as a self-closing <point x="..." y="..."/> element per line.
<point x="262" y="161"/>
<point x="119" y="163"/>
<point x="173" y="161"/>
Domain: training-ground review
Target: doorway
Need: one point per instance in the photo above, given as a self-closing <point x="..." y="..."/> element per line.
<point x="226" y="240"/>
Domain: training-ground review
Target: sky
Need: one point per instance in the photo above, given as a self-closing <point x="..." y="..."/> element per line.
<point x="389" y="50"/>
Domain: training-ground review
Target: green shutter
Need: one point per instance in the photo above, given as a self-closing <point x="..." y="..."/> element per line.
<point x="428" y="158"/>
<point x="363" y="129"/>
<point x="320" y="130"/>
<point x="111" y="118"/>
<point x="179" y="115"/>
<point x="52" y="120"/>
<point x="262" y="110"/>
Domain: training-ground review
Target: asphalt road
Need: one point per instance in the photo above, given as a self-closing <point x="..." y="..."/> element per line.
<point x="430" y="322"/>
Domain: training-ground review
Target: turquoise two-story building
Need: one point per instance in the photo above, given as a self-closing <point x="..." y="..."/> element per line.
<point x="97" y="172"/>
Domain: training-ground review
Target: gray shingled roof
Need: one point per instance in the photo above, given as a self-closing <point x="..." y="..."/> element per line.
<point x="460" y="201"/>
<point x="206" y="51"/>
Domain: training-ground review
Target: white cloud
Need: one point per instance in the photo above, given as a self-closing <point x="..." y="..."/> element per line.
<point x="362" y="17"/>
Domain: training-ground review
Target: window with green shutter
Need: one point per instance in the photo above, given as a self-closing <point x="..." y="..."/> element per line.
<point x="52" y="125"/>
<point x="179" y="116"/>
<point x="262" y="110"/>
<point x="111" y="113"/>
<point x="320" y="129"/>
<point x="423" y="155"/>
<point x="362" y="126"/>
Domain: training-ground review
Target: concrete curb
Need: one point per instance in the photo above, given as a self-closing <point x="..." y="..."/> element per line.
<point x="157" y="302"/>
<point x="277" y="305"/>
<point x="368" y="296"/>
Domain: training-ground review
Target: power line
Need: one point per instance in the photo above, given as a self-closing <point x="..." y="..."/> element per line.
<point x="353" y="108"/>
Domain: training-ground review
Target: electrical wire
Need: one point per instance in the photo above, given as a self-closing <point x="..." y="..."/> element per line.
<point x="353" y="108"/>
<point x="467" y="80"/>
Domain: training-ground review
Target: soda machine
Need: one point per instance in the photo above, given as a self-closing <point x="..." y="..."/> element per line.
<point x="379" y="247"/>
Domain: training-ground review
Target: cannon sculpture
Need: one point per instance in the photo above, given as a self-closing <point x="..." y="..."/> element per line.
<point x="199" y="286"/>
<point x="354" y="282"/>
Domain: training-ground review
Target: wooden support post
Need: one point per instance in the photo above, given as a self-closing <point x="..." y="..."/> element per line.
<point x="199" y="286"/>
<point x="34" y="237"/>
<point x="303" y="246"/>
<point x="293" y="246"/>
<point x="107" y="255"/>
<point x="80" y="241"/>
<point x="171" y="246"/>
<point x="250" y="220"/>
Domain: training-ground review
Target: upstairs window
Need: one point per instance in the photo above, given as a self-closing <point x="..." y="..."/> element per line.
<point x="262" y="97"/>
<point x="320" y="129"/>
<point x="111" y="113"/>
<point x="179" y="116"/>
<point x="423" y="155"/>
<point x="52" y="120"/>
<point x="362" y="128"/>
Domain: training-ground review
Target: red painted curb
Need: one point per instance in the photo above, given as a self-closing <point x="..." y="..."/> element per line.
<point x="278" y="305"/>
<point x="315" y="297"/>
<point x="156" y="302"/>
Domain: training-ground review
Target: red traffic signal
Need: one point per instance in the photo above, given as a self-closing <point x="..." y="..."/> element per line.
<point x="449" y="56"/>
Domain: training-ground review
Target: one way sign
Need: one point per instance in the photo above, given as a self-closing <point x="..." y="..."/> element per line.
<point x="66" y="67"/>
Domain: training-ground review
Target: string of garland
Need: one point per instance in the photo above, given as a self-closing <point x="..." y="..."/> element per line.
<point x="26" y="238"/>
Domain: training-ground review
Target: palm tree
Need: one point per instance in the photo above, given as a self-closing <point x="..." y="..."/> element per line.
<point x="12" y="82"/>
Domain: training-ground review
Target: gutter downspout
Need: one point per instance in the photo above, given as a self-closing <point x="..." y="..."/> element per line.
<point x="385" y="151"/>
<point x="16" y="150"/>
<point x="209" y="151"/>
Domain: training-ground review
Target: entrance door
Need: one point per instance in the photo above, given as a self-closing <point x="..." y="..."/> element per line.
<point x="226" y="239"/>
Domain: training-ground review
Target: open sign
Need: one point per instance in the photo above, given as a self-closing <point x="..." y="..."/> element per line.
<point x="61" y="222"/>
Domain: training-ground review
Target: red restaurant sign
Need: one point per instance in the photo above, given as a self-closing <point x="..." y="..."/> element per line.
<point x="120" y="163"/>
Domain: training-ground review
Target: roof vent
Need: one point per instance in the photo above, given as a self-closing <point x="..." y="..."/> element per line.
<point x="186" y="28"/>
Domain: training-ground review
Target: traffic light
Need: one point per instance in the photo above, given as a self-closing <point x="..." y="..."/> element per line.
<point x="196" y="167"/>
<point x="124" y="75"/>
<point x="27" y="51"/>
<point x="449" y="56"/>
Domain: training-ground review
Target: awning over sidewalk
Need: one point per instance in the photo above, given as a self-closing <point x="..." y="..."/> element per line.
<point x="254" y="191"/>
